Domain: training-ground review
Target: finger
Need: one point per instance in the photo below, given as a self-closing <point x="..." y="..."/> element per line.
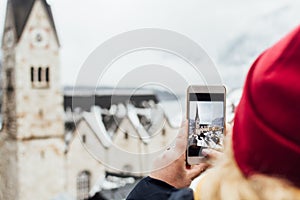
<point x="228" y="129"/>
<point x="211" y="153"/>
<point x="181" y="139"/>
<point x="174" y="152"/>
<point x="196" y="170"/>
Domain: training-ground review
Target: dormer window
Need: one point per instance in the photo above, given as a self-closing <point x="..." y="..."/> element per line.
<point x="39" y="77"/>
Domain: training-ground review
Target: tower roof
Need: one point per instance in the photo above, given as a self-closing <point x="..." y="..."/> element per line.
<point x="21" y="10"/>
<point x="197" y="113"/>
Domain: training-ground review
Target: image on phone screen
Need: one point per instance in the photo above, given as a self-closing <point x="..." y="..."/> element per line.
<point x="206" y="122"/>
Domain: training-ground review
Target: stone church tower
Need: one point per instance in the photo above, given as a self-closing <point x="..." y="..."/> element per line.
<point x="197" y="122"/>
<point x="31" y="146"/>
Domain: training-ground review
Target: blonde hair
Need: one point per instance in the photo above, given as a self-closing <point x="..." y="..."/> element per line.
<point x="226" y="182"/>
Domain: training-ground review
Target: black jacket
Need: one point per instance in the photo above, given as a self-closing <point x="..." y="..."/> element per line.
<point x="153" y="189"/>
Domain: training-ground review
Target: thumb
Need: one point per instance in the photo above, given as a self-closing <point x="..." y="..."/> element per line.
<point x="196" y="170"/>
<point x="211" y="153"/>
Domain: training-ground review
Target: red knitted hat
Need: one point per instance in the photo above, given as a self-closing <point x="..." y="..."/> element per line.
<point x="266" y="132"/>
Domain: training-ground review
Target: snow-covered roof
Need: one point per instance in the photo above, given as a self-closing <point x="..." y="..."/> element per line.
<point x="105" y="121"/>
<point x="132" y="116"/>
<point x="90" y="91"/>
<point x="173" y="112"/>
<point x="113" y="186"/>
<point x="94" y="120"/>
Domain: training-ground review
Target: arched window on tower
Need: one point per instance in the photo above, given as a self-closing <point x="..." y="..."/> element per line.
<point x="32" y="74"/>
<point x="40" y="74"/>
<point x="47" y="75"/>
<point x="83" y="185"/>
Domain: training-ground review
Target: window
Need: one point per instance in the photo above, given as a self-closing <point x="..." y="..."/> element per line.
<point x="83" y="185"/>
<point x="83" y="138"/>
<point x="42" y="154"/>
<point x="9" y="80"/>
<point x="38" y="37"/>
<point x="126" y="136"/>
<point x="40" y="77"/>
<point x="41" y="113"/>
<point x="32" y="74"/>
<point x="47" y="74"/>
<point x="127" y="168"/>
<point x="163" y="132"/>
<point x="40" y="74"/>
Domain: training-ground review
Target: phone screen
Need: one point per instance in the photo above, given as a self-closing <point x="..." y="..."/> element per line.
<point x="206" y="122"/>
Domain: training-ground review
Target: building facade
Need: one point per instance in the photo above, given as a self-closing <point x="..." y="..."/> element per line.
<point x="32" y="125"/>
<point x="44" y="154"/>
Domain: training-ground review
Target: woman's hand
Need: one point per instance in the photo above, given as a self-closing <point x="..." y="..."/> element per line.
<point x="171" y="168"/>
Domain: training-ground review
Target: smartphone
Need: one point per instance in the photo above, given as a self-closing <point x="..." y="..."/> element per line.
<point x="206" y="119"/>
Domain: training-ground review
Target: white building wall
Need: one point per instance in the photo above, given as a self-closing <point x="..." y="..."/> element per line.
<point x="41" y="169"/>
<point x="8" y="169"/>
<point x="78" y="158"/>
<point x="136" y="153"/>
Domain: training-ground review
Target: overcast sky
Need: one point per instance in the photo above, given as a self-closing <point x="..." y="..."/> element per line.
<point x="83" y="25"/>
<point x="208" y="111"/>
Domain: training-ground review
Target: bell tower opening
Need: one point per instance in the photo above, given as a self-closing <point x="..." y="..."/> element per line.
<point x="40" y="77"/>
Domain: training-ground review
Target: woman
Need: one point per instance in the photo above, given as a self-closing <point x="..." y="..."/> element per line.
<point x="262" y="155"/>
